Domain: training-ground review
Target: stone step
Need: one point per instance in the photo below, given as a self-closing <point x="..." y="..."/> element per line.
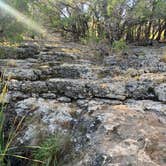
<point x="22" y="74"/>
<point x="21" y="52"/>
<point x="33" y="71"/>
<point x="20" y="63"/>
<point x="84" y="88"/>
<point x="75" y="89"/>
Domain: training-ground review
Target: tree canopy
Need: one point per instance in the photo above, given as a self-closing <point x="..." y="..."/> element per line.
<point x="113" y="20"/>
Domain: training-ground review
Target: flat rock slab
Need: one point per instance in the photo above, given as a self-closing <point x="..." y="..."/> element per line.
<point x="124" y="135"/>
<point x="47" y="117"/>
<point x="81" y="89"/>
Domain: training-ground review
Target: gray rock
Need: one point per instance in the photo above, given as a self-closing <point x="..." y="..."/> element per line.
<point x="121" y="137"/>
<point x="74" y="71"/>
<point x="67" y="87"/>
<point x="108" y="90"/>
<point x="148" y="105"/>
<point x="160" y="91"/>
<point x="113" y="106"/>
<point x="34" y="87"/>
<point x="78" y="89"/>
<point x="16" y="96"/>
<point x="141" y="89"/>
<point x="49" y="116"/>
<point x="14" y="85"/>
<point x="64" y="99"/>
<point x="28" y="50"/>
<point x="22" y="74"/>
<point x="48" y="95"/>
<point x="56" y="56"/>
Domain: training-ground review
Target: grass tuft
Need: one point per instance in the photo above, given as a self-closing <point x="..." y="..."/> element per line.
<point x="6" y="146"/>
<point x="53" y="149"/>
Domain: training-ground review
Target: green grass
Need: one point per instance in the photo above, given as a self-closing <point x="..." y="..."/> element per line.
<point x="7" y="149"/>
<point x="50" y="152"/>
<point x="119" y="45"/>
<point x="3" y="148"/>
<point x="53" y="149"/>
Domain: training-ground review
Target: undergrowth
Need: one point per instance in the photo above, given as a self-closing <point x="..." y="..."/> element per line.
<point x="52" y="150"/>
<point x="119" y="46"/>
<point x="7" y="148"/>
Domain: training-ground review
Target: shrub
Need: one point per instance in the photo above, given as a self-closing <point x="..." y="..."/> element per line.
<point x="119" y="45"/>
<point x="90" y="38"/>
<point x="53" y="149"/>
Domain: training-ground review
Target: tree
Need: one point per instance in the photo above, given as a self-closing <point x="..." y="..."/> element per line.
<point x="10" y="28"/>
<point x="112" y="20"/>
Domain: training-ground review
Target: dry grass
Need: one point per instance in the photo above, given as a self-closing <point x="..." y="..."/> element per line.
<point x="6" y="146"/>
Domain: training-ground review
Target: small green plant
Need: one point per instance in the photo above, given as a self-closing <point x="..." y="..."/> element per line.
<point x="90" y="38"/>
<point x="119" y="45"/>
<point x="1" y="137"/>
<point x="3" y="93"/>
<point x="53" y="149"/>
<point x="7" y="149"/>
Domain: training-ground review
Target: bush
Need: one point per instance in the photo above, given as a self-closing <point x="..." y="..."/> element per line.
<point x="119" y="46"/>
<point x="90" y="39"/>
<point x="53" y="149"/>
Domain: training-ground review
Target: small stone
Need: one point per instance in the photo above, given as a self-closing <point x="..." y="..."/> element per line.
<point x="64" y="99"/>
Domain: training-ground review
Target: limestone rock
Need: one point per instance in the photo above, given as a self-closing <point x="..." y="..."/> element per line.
<point x="47" y="116"/>
<point x="113" y="106"/>
<point x="161" y="92"/>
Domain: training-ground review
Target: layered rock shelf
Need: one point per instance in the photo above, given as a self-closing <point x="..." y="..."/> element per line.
<point x="113" y="106"/>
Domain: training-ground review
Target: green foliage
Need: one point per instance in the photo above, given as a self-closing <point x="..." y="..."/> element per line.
<point x="90" y="38"/>
<point x="88" y="20"/>
<point x="10" y="29"/>
<point x="12" y="32"/>
<point x="6" y="146"/>
<point x="2" y="147"/>
<point x="53" y="149"/>
<point x="119" y="45"/>
<point x="2" y="53"/>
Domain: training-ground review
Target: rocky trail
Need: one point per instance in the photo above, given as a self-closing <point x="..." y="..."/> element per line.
<point x="113" y="106"/>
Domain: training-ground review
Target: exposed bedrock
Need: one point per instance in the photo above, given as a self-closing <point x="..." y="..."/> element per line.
<point x="114" y="107"/>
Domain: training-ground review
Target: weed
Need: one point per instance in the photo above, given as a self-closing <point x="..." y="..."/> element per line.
<point x="53" y="149"/>
<point x="119" y="46"/>
<point x="6" y="147"/>
<point x="3" y="149"/>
